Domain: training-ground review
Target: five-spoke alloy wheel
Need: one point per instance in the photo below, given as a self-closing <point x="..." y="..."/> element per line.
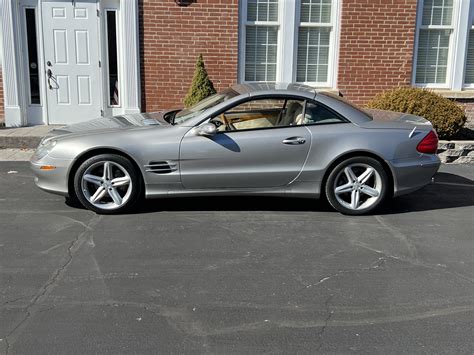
<point x="357" y="185"/>
<point x="107" y="183"/>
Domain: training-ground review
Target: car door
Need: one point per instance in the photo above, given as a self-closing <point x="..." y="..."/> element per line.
<point x="263" y="149"/>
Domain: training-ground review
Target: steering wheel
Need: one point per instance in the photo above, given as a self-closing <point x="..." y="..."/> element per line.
<point x="227" y="123"/>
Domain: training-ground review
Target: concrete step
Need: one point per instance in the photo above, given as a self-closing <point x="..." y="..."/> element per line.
<point x="23" y="137"/>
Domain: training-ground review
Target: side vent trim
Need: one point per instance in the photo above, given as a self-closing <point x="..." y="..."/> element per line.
<point x="161" y="167"/>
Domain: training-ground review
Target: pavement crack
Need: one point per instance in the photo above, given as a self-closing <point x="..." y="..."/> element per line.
<point x="416" y="262"/>
<point x="397" y="234"/>
<point x="326" y="322"/>
<point x="377" y="264"/>
<point x="13" y="300"/>
<point x="33" y="307"/>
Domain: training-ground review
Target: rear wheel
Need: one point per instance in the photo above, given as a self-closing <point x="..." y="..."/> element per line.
<point x="357" y="186"/>
<point x="107" y="184"/>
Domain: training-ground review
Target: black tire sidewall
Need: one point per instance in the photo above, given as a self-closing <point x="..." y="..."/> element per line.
<point x="127" y="165"/>
<point x="330" y="193"/>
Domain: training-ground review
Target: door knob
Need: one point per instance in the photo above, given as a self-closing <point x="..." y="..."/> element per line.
<point x="294" y="140"/>
<point x="49" y="74"/>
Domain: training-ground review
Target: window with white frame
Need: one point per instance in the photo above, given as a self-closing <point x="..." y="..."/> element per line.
<point x="314" y="37"/>
<point x="261" y="40"/>
<point x="289" y="40"/>
<point x="434" y="37"/>
<point x="445" y="44"/>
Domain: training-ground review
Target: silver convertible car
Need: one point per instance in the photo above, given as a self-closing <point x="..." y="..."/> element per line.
<point x="251" y="139"/>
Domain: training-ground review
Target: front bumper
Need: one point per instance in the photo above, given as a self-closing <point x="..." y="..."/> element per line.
<point x="413" y="174"/>
<point x="54" y="181"/>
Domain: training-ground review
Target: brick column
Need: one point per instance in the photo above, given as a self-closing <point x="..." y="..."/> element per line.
<point x="376" y="47"/>
<point x="171" y="39"/>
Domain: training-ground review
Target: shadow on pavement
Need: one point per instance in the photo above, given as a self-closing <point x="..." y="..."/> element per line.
<point x="448" y="191"/>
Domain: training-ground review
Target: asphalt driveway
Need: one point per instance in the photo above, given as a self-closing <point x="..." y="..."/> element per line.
<point x="229" y="275"/>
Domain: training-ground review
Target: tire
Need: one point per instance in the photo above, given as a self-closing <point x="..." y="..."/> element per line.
<point x="107" y="184"/>
<point x="357" y="186"/>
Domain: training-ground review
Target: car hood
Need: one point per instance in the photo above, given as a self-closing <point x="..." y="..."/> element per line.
<point x="116" y="122"/>
<point x="108" y="124"/>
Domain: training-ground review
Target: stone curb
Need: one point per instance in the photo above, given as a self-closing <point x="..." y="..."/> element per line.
<point x="19" y="142"/>
<point x="457" y="152"/>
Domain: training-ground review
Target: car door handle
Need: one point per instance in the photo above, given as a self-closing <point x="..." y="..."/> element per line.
<point x="294" y="140"/>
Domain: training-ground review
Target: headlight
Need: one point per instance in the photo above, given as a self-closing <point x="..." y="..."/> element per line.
<point x="44" y="149"/>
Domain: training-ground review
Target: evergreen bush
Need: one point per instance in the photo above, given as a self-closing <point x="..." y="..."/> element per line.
<point x="201" y="86"/>
<point x="445" y="115"/>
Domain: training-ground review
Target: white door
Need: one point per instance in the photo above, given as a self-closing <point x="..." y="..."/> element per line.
<point x="71" y="57"/>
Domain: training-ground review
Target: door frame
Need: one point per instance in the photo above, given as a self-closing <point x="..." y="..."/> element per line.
<point x="16" y="87"/>
<point x="41" y="108"/>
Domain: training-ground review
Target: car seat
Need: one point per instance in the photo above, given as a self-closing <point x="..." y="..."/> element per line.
<point x="291" y="112"/>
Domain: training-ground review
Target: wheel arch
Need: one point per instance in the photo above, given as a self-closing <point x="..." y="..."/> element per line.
<point x="97" y="151"/>
<point x="360" y="153"/>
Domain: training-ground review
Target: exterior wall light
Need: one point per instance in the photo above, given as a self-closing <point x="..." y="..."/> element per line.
<point x="185" y="2"/>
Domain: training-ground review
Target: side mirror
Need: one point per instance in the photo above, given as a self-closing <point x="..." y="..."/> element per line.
<point x="207" y="130"/>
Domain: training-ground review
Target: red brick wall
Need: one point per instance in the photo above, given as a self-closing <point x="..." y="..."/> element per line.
<point x="172" y="37"/>
<point x="2" y="111"/>
<point x="376" y="46"/>
<point x="468" y="105"/>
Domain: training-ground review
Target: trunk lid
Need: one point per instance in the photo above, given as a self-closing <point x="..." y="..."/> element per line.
<point x="382" y="119"/>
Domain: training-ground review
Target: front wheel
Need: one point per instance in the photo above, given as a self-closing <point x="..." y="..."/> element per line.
<point x="357" y="186"/>
<point x="107" y="184"/>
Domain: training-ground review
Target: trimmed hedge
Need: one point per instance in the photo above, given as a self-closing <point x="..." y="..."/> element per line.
<point x="201" y="86"/>
<point x="445" y="115"/>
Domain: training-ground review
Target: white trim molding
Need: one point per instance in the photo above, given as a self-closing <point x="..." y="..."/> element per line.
<point x="12" y="96"/>
<point x="131" y="53"/>
<point x="13" y="68"/>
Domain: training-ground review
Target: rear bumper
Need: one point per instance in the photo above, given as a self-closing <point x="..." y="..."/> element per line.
<point x="54" y="181"/>
<point x="413" y="174"/>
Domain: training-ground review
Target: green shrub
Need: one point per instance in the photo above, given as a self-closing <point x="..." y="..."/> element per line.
<point x="445" y="115"/>
<point x="201" y="86"/>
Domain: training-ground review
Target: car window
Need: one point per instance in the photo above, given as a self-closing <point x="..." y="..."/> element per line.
<point x="260" y="114"/>
<point x="201" y="106"/>
<point x="318" y="114"/>
<point x="348" y="103"/>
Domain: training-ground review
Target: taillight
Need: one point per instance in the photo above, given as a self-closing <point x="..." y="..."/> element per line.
<point x="429" y="144"/>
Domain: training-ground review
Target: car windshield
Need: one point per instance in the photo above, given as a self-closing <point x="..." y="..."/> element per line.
<point x="201" y="106"/>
